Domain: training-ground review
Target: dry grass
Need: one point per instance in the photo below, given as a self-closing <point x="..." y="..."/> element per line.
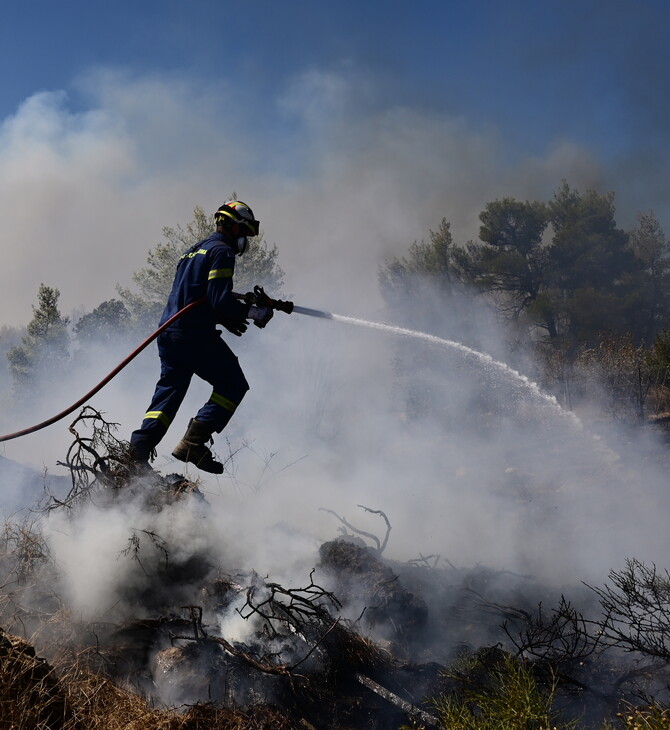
<point x="34" y="695"/>
<point x="652" y="717"/>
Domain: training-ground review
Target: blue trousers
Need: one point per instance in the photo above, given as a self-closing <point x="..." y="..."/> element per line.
<point x="183" y="355"/>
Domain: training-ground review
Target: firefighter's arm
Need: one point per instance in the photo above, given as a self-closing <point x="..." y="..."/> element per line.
<point x="229" y="311"/>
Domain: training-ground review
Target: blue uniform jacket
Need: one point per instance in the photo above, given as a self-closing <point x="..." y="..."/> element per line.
<point x="206" y="269"/>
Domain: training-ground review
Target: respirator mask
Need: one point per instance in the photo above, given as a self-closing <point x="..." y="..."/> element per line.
<point x="242" y="243"/>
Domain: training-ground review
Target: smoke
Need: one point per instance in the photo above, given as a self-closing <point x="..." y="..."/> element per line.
<point x="87" y="192"/>
<point x="83" y="196"/>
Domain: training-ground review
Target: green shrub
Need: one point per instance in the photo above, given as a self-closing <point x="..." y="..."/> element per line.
<point x="495" y="691"/>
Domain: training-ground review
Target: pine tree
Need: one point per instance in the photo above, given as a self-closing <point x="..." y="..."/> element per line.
<point x="44" y="352"/>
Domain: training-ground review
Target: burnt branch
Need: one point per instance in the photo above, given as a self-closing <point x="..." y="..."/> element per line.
<point x="507" y="612"/>
<point x="560" y="637"/>
<point x="380" y="545"/>
<point x="386" y="520"/>
<point x="423" y="561"/>
<point x="279" y="607"/>
<point x="263" y="664"/>
<point x="195" y="614"/>
<point x="636" y="607"/>
<point x="25" y="549"/>
<point x="98" y="458"/>
<point x="135" y="544"/>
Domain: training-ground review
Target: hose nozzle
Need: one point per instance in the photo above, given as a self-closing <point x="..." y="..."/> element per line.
<point x="282" y="306"/>
<point x="261" y="299"/>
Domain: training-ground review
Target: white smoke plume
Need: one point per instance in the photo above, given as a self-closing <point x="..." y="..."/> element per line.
<point x="84" y="195"/>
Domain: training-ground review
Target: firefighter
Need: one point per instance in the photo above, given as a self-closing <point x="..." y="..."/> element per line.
<point x="193" y="346"/>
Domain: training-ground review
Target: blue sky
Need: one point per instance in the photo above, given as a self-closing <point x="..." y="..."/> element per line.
<point x="457" y="102"/>
<point x="594" y="70"/>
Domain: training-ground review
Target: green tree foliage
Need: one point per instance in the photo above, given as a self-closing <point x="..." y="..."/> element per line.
<point x="562" y="272"/>
<point x="153" y="282"/>
<point x="45" y="348"/>
<point x="433" y="260"/>
<point x="514" y="261"/>
<point x="418" y="287"/>
<point x="569" y="269"/>
<point x="592" y="274"/>
<point x="652" y="251"/>
<point x="574" y="283"/>
<point x="104" y="324"/>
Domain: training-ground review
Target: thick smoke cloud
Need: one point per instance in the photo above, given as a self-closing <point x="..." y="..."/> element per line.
<point x="338" y="185"/>
<point x="83" y="196"/>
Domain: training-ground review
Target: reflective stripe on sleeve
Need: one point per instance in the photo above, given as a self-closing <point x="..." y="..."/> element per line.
<point x="159" y="416"/>
<point x="220" y="274"/>
<point x="223" y="402"/>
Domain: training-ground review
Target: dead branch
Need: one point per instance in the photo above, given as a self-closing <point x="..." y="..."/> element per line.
<point x="134" y="545"/>
<point x="413" y="711"/>
<point x="25" y="546"/>
<point x="295" y="607"/>
<point x="99" y="458"/>
<point x="507" y="612"/>
<point x="636" y="610"/>
<point x="422" y="561"/>
<point x="561" y="637"/>
<point x="318" y="643"/>
<point x="283" y="670"/>
<point x="386" y="520"/>
<point x="302" y="610"/>
<point x="380" y="545"/>
<point x="200" y="635"/>
<point x="195" y="613"/>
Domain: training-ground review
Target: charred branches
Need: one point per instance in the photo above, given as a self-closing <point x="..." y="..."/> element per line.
<point x="636" y="610"/>
<point x="380" y="545"/>
<point x="559" y="637"/>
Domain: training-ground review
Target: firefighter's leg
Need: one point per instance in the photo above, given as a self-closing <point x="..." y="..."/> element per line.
<point x="168" y="396"/>
<point x="219" y="367"/>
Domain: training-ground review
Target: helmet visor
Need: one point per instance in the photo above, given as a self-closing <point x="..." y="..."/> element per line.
<point x="252" y="225"/>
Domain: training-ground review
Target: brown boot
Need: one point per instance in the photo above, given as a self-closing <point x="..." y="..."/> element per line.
<point x="192" y="448"/>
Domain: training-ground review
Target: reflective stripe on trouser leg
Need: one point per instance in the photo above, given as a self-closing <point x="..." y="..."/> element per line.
<point x="218" y="410"/>
<point x="222" y="371"/>
<point x="223" y="402"/>
<point x="159" y="416"/>
<point x="168" y="396"/>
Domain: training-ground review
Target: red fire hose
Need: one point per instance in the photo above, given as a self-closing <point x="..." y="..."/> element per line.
<point x="106" y="380"/>
<point x="260" y="296"/>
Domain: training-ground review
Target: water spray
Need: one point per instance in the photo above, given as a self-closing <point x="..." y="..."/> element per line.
<point x="482" y="358"/>
<point x="260" y="298"/>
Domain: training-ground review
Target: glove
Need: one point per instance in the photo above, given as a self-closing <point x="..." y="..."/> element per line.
<point x="260" y="315"/>
<point x="237" y="328"/>
<point x="258" y="297"/>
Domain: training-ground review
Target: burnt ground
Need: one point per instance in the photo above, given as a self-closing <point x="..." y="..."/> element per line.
<point x="364" y="642"/>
